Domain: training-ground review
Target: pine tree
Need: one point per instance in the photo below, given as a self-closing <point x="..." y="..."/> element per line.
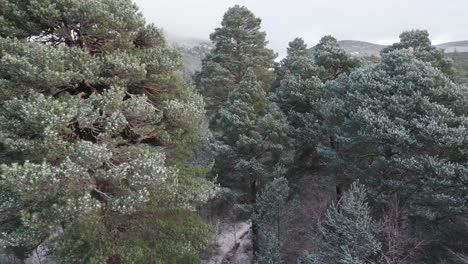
<point x="349" y="234"/>
<point x="250" y="130"/>
<point x="297" y="62"/>
<point x="98" y="130"/>
<point x="401" y="126"/>
<point x="271" y="206"/>
<point x="418" y="43"/>
<point x="298" y="95"/>
<point x="332" y="59"/>
<point x="251" y="143"/>
<point x="239" y="45"/>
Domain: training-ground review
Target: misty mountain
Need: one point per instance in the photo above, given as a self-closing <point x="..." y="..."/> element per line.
<point x="192" y="50"/>
<point x="456" y="46"/>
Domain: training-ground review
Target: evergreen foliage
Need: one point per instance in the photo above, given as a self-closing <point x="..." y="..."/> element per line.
<point x="349" y="234"/>
<point x="401" y="126"/>
<point x="249" y="145"/>
<point x="332" y="59"/>
<point x="245" y="104"/>
<point x="298" y="94"/>
<point x="419" y="44"/>
<point x="239" y="45"/>
<point x="271" y="206"/>
<point x="98" y="131"/>
<point x="101" y="141"/>
<point x="297" y="62"/>
<point x="245" y="136"/>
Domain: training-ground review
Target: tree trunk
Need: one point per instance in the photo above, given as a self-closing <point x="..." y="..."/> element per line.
<point x="255" y="242"/>
<point x="338" y="187"/>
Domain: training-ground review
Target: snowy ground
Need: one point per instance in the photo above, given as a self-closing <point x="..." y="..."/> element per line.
<point x="232" y="245"/>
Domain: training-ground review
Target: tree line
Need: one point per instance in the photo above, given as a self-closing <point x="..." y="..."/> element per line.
<point x="107" y="154"/>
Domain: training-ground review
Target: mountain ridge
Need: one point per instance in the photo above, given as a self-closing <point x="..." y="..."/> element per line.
<point x="360" y="48"/>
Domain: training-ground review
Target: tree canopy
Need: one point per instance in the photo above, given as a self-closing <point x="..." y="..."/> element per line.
<point x="98" y="131"/>
<point x="401" y="127"/>
<point x="239" y="45"/>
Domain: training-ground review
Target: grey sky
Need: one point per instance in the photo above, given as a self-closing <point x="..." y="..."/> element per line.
<point x="378" y="21"/>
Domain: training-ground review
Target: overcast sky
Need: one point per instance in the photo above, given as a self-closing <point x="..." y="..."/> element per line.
<point x="378" y="21"/>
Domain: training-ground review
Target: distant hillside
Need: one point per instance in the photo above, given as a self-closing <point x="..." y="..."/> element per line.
<point x="460" y="61"/>
<point x="193" y="51"/>
<point x="457" y="46"/>
<point x="358" y="48"/>
<point x="192" y="57"/>
<point x="365" y="49"/>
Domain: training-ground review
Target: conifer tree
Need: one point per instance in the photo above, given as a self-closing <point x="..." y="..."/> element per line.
<point x="418" y="43"/>
<point x="351" y="233"/>
<point x="298" y="95"/>
<point x="348" y="234"/>
<point x="401" y="126"/>
<point x="332" y="59"/>
<point x="97" y="129"/>
<point x="271" y="206"/>
<point x="250" y="145"/>
<point x="239" y="45"/>
<point x="297" y="62"/>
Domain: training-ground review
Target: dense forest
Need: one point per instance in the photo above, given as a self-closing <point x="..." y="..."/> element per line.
<point x="111" y="153"/>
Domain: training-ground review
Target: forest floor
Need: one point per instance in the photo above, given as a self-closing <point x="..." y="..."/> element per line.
<point x="232" y="245"/>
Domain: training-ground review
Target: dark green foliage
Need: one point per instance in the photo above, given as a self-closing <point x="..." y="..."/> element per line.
<point x="298" y="94"/>
<point x="401" y="127"/>
<point x="250" y="146"/>
<point x="349" y="234"/>
<point x="98" y="131"/>
<point x="332" y="59"/>
<point x="239" y="45"/>
<point x="271" y="206"/>
<point x="297" y="62"/>
<point x="418" y="43"/>
<point x="245" y="104"/>
<point x="244" y="137"/>
<point x="94" y="25"/>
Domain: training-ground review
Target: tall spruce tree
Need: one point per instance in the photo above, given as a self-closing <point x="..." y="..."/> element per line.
<point x="97" y="130"/>
<point x="401" y="127"/>
<point x="239" y="45"/>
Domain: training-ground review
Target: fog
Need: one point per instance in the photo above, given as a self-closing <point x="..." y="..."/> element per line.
<point x="378" y="21"/>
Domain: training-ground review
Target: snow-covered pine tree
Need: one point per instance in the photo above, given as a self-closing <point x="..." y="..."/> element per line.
<point x="96" y="128"/>
<point x="348" y="234"/>
<point x="401" y="127"/>
<point x="418" y="43"/>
